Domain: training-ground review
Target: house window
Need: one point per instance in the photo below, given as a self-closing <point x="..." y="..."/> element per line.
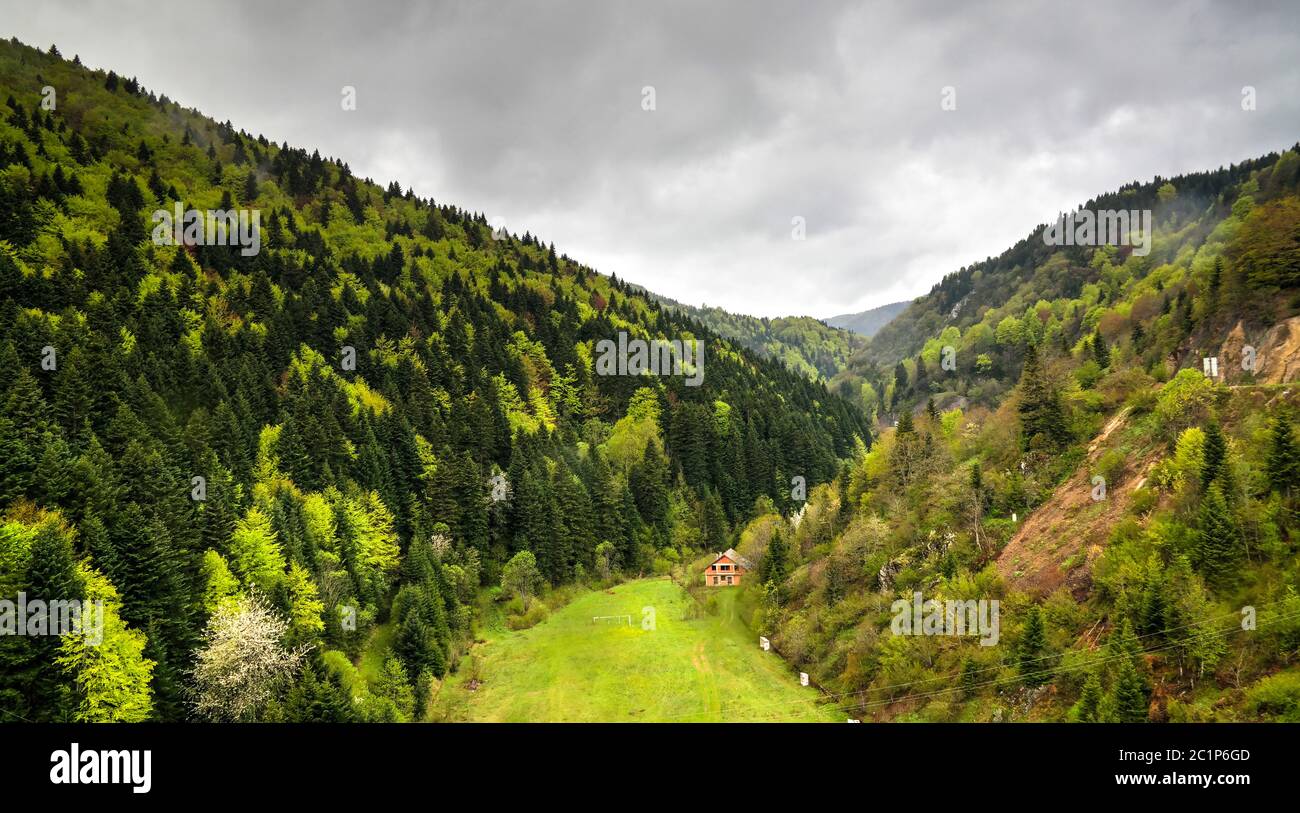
<point x="724" y="567"/>
<point x="728" y="580"/>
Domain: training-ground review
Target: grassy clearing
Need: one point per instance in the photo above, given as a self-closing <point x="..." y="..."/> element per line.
<point x="371" y="663"/>
<point x="693" y="667"/>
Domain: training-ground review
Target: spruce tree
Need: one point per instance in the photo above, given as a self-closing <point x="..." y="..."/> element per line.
<point x="316" y="700"/>
<point x="846" y="508"/>
<point x="1130" y="694"/>
<point x="1214" y="454"/>
<point x="1151" y="610"/>
<point x="1042" y="417"/>
<point x="649" y="483"/>
<point x="1090" y="699"/>
<point x="906" y="425"/>
<point x="774" y="561"/>
<point x="969" y="676"/>
<point x="1029" y="653"/>
<point x="51" y="576"/>
<point x="1283" y="464"/>
<point x="1100" y="352"/>
<point x="1218" y="538"/>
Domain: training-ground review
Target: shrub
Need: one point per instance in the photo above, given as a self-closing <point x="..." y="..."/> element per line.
<point x="1185" y="401"/>
<point x="1088" y="374"/>
<point x="1122" y="384"/>
<point x="1111" y="464"/>
<point x="1141" y="402"/>
<point x="1277" y="695"/>
<point x="535" y="615"/>
<point x="1144" y="501"/>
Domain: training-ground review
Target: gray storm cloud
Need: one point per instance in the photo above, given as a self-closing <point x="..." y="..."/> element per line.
<point x="764" y="112"/>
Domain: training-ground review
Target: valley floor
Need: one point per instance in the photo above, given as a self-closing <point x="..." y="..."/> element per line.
<point x="691" y="667"/>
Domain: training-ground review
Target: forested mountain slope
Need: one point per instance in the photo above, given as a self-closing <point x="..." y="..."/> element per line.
<point x="1134" y="517"/>
<point x="383" y="409"/>
<point x="804" y="344"/>
<point x="1182" y="298"/>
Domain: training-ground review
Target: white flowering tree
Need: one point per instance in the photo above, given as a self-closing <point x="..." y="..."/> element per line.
<point x="243" y="661"/>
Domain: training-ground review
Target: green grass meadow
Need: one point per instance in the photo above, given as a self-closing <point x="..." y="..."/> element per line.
<point x="692" y="667"/>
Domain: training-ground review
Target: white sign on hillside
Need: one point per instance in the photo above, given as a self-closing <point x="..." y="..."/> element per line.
<point x="764" y="643"/>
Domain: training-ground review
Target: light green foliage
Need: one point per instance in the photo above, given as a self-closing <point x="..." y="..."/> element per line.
<point x="305" y="607"/>
<point x="521" y="577"/>
<point x="254" y="552"/>
<point x="1184" y="401"/>
<point x="219" y="584"/>
<point x="635" y="430"/>
<point x="395" y="690"/>
<point x="806" y="345"/>
<point x="373" y="524"/>
<point x="112" y="673"/>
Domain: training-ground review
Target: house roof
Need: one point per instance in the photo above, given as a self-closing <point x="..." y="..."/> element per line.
<point x="731" y="554"/>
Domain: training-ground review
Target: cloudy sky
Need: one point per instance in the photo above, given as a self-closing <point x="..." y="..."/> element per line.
<point x="763" y="113"/>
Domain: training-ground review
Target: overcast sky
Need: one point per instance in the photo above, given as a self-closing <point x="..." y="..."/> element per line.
<point x="830" y="112"/>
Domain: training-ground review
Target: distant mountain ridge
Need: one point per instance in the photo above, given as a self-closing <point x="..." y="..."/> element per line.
<point x="867" y="323"/>
<point x="804" y="344"/>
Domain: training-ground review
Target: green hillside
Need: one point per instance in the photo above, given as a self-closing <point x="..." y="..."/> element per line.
<point x="377" y="451"/>
<point x="1156" y="311"/>
<point x="804" y="344"/>
<point x="691" y="666"/>
<point x="385" y="402"/>
<point x="1135" y="518"/>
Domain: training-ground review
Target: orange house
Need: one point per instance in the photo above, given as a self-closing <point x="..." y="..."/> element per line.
<point x="726" y="569"/>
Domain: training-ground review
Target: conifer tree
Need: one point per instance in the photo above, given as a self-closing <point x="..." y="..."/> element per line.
<point x="906" y="425"/>
<point x="1130" y="694"/>
<point x="1090" y="699"/>
<point x="1100" y="352"/>
<point x="1042" y="417"/>
<point x="1029" y="653"/>
<point x="1283" y="465"/>
<point x="1214" y="454"/>
<point x="648" y="481"/>
<point x="1218" y="537"/>
<point x="774" y="561"/>
<point x="318" y="700"/>
<point x="970" y="674"/>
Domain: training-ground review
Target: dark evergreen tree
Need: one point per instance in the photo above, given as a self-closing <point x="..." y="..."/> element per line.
<point x="775" y="562"/>
<point x="1042" y="417"/>
<point x="1218" y="547"/>
<point x="1030" y="661"/>
<point x="1214" y="454"/>
<point x="1283" y="465"/>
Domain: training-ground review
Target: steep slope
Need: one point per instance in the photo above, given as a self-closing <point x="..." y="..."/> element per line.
<point x="1062" y="294"/>
<point x="1059" y="540"/>
<point x="1087" y="370"/>
<point x="359" y="414"/>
